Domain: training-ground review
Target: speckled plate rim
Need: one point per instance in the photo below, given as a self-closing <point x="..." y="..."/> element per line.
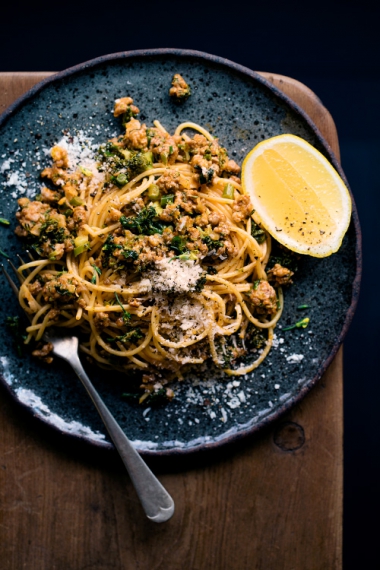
<point x="226" y="438"/>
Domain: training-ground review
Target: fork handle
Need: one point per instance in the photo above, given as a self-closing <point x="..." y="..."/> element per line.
<point x="156" y="501"/>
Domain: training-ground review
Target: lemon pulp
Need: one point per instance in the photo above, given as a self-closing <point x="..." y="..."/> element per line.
<point x="299" y="197"/>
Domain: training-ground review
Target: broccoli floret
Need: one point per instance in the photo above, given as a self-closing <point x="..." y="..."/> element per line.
<point x="140" y="162"/>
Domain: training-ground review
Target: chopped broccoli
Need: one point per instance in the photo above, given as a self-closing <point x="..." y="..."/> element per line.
<point x="109" y="245"/>
<point x="140" y="162"/>
<point x="127" y="116"/>
<point x="120" y="180"/>
<point x="123" y="164"/>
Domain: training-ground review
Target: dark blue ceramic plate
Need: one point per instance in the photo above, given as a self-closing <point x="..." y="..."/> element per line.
<point x="241" y="109"/>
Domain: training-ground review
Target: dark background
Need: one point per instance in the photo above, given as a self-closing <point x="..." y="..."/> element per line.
<point x="334" y="48"/>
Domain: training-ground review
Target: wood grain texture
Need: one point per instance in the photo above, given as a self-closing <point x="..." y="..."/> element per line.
<point x="272" y="502"/>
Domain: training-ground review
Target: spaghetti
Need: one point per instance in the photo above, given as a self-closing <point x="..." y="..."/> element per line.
<point x="153" y="251"/>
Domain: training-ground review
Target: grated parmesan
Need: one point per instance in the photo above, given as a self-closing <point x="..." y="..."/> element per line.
<point x="175" y="276"/>
<point x="294" y="358"/>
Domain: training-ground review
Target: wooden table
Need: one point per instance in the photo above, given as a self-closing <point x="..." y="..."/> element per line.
<point x="273" y="502"/>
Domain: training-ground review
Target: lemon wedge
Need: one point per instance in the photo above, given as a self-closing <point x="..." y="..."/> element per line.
<point x="298" y="196"/>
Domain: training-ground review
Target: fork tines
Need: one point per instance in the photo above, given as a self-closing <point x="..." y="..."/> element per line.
<point x="10" y="280"/>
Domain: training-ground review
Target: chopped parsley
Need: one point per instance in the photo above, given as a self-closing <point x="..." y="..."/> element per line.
<point x="212" y="244"/>
<point x="254" y="337"/>
<point x="200" y="284"/>
<point x="126" y="315"/>
<point x="205" y="176"/>
<point x="178" y="244"/>
<point x="283" y="257"/>
<point x="18" y="333"/>
<point x="130" y="254"/>
<point x="155" y="398"/>
<point x="257" y="232"/>
<point x="50" y="232"/>
<point x="144" y="223"/>
<point x="130" y="336"/>
<point x="97" y="269"/>
<point x="108" y="249"/>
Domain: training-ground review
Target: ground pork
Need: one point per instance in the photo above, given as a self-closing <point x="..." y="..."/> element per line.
<point x="43" y="353"/>
<point x="59" y="156"/>
<point x="231" y="167"/>
<point x="179" y="90"/>
<point x="170" y="181"/>
<point x="242" y="208"/>
<point x="135" y="135"/>
<point x="61" y="288"/>
<point x="123" y="105"/>
<point x="280" y="275"/>
<point x="102" y="321"/>
<point x="163" y="146"/>
<point x="263" y="298"/>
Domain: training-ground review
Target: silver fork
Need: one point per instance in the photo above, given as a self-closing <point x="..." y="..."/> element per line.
<point x="156" y="501"/>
